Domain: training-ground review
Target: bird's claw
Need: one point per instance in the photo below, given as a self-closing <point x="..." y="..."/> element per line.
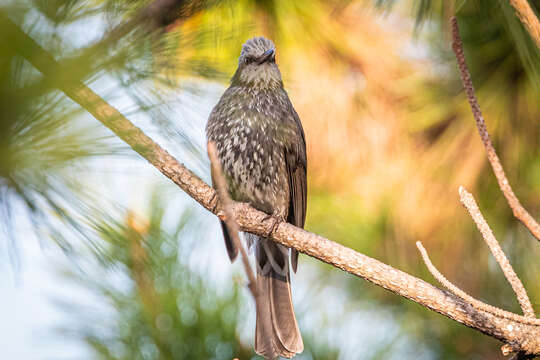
<point x="214" y="203"/>
<point x="275" y="220"/>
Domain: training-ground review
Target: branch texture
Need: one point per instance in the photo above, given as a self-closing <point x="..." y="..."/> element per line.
<point x="529" y="19"/>
<point x="520" y="333"/>
<point x="518" y="210"/>
<point x="468" y="201"/>
<point x="463" y="295"/>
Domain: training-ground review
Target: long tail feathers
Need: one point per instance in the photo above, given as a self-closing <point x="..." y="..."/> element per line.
<point x="276" y="331"/>
<point x="229" y="244"/>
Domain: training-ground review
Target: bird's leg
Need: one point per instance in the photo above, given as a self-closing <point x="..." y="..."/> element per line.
<point x="215" y="206"/>
<point x="275" y="220"/>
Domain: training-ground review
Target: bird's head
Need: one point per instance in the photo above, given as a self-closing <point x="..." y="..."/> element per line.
<point x="257" y="65"/>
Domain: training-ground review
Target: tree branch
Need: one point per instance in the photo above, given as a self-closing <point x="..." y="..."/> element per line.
<point x="463" y="295"/>
<point x="518" y="210"/>
<point x="521" y="333"/>
<point x="506" y="349"/>
<point x="468" y="201"/>
<point x="527" y="16"/>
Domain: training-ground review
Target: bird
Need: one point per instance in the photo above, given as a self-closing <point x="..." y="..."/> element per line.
<point x="261" y="148"/>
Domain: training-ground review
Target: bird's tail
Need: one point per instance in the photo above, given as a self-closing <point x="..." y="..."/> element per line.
<point x="276" y="331"/>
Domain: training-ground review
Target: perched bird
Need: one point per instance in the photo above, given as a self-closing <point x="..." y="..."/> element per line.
<point x="261" y="146"/>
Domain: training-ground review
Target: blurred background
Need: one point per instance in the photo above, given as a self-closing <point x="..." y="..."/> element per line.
<point x="104" y="258"/>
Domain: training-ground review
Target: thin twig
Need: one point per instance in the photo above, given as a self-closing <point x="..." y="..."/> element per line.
<point x="523" y="334"/>
<point x="230" y="222"/>
<point x="467" y="200"/>
<point x="518" y="210"/>
<point x="468" y="298"/>
<point x="527" y="16"/>
<point x="234" y="231"/>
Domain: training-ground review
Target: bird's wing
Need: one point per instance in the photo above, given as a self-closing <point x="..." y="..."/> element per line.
<point x="215" y="119"/>
<point x="296" y="162"/>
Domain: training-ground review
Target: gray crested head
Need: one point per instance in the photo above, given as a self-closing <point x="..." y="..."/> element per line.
<point x="257" y="65"/>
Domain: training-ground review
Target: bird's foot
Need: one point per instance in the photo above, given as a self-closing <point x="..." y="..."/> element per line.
<point x="215" y="207"/>
<point x="274" y="223"/>
<point x="213" y="203"/>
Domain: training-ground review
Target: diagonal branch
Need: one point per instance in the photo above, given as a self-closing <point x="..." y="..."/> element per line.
<point x="506" y="349"/>
<point x="518" y="210"/>
<point x="468" y="201"/>
<point x="520" y="333"/>
<point x="529" y="19"/>
<point x="462" y="294"/>
<point x="232" y="226"/>
<point x="230" y="222"/>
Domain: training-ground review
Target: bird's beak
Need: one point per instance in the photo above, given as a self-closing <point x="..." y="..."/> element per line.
<point x="266" y="56"/>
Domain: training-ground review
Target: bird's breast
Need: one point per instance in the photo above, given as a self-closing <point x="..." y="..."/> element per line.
<point x="252" y="156"/>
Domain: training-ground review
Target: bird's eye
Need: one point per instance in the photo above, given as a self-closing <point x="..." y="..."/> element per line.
<point x="249" y="59"/>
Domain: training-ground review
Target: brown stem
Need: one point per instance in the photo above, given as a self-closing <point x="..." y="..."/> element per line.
<point x="463" y="295"/>
<point x="230" y="222"/>
<point x="518" y="210"/>
<point x="529" y="19"/>
<point x="232" y="227"/>
<point x="468" y="201"/>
